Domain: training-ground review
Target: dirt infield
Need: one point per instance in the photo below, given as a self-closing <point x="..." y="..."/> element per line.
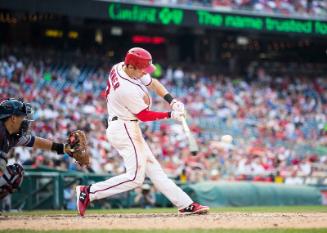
<point x="166" y="221"/>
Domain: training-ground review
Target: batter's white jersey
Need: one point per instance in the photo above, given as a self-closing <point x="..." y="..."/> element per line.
<point x="126" y="97"/>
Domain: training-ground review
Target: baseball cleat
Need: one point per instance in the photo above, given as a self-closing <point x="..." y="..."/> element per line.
<point x="83" y="199"/>
<point x="194" y="208"/>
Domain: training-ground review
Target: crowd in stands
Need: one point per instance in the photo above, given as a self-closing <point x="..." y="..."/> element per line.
<point x="279" y="7"/>
<point x="278" y="120"/>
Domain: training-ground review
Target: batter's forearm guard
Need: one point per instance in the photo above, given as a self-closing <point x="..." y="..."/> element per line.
<point x="168" y="97"/>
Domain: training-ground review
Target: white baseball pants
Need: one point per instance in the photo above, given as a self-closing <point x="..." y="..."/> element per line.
<point x="126" y="137"/>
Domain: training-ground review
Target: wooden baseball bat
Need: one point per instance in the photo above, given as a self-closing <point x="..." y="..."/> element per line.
<point x="192" y="144"/>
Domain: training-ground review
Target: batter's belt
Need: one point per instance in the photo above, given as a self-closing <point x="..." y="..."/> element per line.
<point x="116" y="118"/>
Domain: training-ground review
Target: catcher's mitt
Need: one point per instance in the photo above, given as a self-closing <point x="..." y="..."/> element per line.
<point x="76" y="147"/>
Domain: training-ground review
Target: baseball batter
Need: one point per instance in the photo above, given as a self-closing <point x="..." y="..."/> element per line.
<point x="128" y="103"/>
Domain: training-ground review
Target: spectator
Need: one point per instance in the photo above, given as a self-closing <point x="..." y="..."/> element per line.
<point x="145" y="197"/>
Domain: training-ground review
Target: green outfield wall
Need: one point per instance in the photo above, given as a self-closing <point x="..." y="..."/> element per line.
<point x="253" y="194"/>
<point x="46" y="189"/>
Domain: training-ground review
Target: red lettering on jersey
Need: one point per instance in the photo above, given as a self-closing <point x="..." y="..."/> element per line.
<point x="108" y="88"/>
<point x="114" y="79"/>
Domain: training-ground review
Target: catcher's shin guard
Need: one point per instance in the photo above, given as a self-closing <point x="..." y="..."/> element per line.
<point x="11" y="179"/>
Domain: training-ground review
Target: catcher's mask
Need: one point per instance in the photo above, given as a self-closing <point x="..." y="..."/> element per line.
<point x="24" y="127"/>
<point x="14" y="107"/>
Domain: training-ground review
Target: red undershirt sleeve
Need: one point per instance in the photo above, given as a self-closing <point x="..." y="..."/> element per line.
<point x="147" y="115"/>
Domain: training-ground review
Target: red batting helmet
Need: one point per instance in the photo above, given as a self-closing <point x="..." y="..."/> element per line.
<point x="140" y="59"/>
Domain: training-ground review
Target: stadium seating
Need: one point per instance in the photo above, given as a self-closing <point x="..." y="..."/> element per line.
<point x="279" y="126"/>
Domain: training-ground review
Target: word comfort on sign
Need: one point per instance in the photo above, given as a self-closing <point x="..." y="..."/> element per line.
<point x="205" y="18"/>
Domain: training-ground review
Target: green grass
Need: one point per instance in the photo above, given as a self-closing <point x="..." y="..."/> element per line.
<point x="178" y="231"/>
<point x="261" y="209"/>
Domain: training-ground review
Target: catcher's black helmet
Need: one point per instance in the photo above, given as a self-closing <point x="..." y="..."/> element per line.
<point x="14" y="107"/>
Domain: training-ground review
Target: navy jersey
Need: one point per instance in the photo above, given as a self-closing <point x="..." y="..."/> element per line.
<point x="8" y="141"/>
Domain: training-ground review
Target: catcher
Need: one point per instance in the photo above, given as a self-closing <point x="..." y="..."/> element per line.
<point x="14" y="131"/>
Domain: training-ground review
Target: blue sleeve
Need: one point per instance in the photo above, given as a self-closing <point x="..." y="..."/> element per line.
<point x="26" y="140"/>
<point x="31" y="143"/>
